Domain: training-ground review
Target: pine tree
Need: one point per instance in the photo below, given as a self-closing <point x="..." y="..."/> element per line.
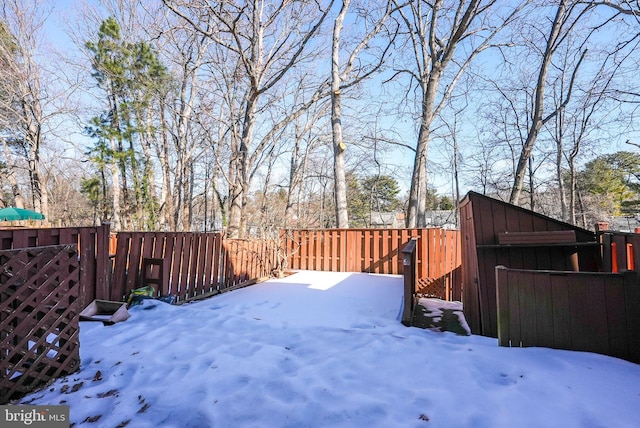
<point x="130" y="74"/>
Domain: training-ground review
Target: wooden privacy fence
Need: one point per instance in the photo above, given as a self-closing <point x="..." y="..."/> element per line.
<point x="193" y="264"/>
<point x="380" y="251"/>
<point x="93" y="252"/>
<point x="39" y="316"/>
<point x="186" y="265"/>
<point x="580" y="311"/>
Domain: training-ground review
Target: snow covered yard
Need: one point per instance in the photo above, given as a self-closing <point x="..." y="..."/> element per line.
<point x="327" y="350"/>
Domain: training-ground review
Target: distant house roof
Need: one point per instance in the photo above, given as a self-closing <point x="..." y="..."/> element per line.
<point x="434" y="218"/>
<point x="388" y="219"/>
<point x="441" y="218"/>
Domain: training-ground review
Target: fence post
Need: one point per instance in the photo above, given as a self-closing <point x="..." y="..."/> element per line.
<point x="409" y="272"/>
<point x="605" y="240"/>
<point x="103" y="263"/>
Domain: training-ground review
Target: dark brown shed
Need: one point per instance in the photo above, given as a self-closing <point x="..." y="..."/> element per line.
<point x="498" y="233"/>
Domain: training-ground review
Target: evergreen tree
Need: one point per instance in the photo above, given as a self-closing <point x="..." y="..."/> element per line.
<point x="371" y="194"/>
<point x="382" y="193"/>
<point x="130" y="74"/>
<point x="614" y="180"/>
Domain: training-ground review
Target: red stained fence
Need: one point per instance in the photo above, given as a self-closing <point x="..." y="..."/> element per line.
<point x="93" y="253"/>
<point x="186" y="265"/>
<point x="192" y="264"/>
<point x="438" y="255"/>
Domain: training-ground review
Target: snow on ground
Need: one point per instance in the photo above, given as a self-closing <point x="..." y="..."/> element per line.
<point x="327" y="350"/>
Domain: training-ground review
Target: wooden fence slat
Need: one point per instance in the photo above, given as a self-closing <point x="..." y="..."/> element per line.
<point x="632" y="303"/>
<point x="336" y="255"/>
<point x="197" y="266"/>
<point x="620" y="252"/>
<point x="304" y="252"/>
<point x="147" y="243"/>
<point x="527" y="303"/>
<point x="317" y="253"/>
<point x="561" y="320"/>
<point x="594" y="315"/>
<point x="209" y="244"/>
<point x="99" y="249"/>
<point x="158" y="245"/>
<point x="614" y="301"/>
<point x="515" y="326"/>
<point x="634" y="240"/>
<point x="544" y="311"/>
<point x="87" y="291"/>
<point x="134" y="262"/>
<point x="120" y="267"/>
<point x="185" y="265"/>
<point x="173" y="248"/>
<point x="578" y="314"/>
<point x="217" y="253"/>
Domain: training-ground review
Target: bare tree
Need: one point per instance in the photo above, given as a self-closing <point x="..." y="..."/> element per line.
<point x="24" y="99"/>
<point x="568" y="14"/>
<point x="266" y="47"/>
<point x="189" y="58"/>
<point x="435" y="30"/>
<point x="344" y="77"/>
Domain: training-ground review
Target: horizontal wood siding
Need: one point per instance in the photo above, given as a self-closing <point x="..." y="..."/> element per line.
<point x="379" y="251"/>
<point x="580" y="311"/>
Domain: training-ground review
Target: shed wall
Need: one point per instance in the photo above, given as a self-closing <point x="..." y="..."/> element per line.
<point x="482" y="219"/>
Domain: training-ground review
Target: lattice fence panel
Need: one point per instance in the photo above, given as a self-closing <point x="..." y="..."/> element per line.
<point x="429" y="287"/>
<point x="39" y="317"/>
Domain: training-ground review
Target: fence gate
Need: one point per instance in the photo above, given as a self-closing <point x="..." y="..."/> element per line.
<point x="39" y="317"/>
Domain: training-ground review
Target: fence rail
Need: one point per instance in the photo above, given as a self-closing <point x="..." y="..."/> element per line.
<point x="580" y="311"/>
<point x="380" y="251"/>
<point x="39" y="289"/>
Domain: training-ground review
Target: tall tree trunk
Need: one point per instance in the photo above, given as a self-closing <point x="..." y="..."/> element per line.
<point x="572" y="192"/>
<point x="31" y="109"/>
<point x="239" y="188"/>
<point x="419" y="185"/>
<point x="537" y="119"/>
<point x="339" y="176"/>
<point x="18" y="200"/>
<point x="116" y="193"/>
<point x="166" y="194"/>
